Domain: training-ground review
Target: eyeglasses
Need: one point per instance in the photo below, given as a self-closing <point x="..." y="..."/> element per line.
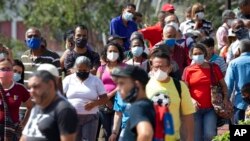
<point x="34" y="36"/>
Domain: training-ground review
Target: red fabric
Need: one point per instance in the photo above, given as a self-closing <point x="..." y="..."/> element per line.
<point x="153" y="34"/>
<point x="180" y="56"/>
<point x="167" y="7"/>
<point x="199" y="82"/>
<point x="15" y="96"/>
<point x="159" y="117"/>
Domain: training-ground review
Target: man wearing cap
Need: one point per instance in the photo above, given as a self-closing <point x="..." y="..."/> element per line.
<point x="124" y="25"/>
<point x="131" y="82"/>
<point x="221" y="35"/>
<point x="168" y="8"/>
<point x="37" y="54"/>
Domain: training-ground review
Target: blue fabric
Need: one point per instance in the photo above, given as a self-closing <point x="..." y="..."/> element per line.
<point x="118" y="28"/>
<point x="238" y="115"/>
<point x="238" y="74"/>
<point x="205" y="124"/>
<point x="213" y="58"/>
<point x="121" y="106"/>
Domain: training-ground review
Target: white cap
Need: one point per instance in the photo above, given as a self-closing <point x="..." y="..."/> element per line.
<point x="50" y="68"/>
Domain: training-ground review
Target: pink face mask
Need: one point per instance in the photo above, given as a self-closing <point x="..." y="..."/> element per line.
<point x="6" y="76"/>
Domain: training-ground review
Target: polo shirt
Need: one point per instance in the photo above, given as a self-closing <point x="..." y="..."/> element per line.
<point x="80" y="93"/>
<point x="153" y="34"/>
<point x="31" y="63"/>
<point x="117" y="27"/>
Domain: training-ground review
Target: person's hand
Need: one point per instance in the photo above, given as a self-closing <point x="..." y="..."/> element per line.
<point x="89" y="106"/>
<point x="70" y="71"/>
<point x="196" y="104"/>
<point x="109" y="104"/>
<point x="113" y="137"/>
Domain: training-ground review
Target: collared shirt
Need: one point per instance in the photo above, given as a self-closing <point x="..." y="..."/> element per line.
<point x="221" y="34"/>
<point x="238" y="74"/>
<point x="117" y="27"/>
<point x="31" y="63"/>
<point x="153" y="34"/>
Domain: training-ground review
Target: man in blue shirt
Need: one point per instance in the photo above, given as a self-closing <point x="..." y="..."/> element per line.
<point x="124" y="25"/>
<point x="238" y="74"/>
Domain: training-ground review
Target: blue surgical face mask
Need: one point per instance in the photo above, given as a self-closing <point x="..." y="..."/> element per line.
<point x="170" y="42"/>
<point x="17" y="77"/>
<point x="137" y="51"/>
<point x="33" y="43"/>
<point x="198" y="59"/>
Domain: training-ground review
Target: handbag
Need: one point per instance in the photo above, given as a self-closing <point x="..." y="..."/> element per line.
<point x="12" y="131"/>
<point x="222" y="110"/>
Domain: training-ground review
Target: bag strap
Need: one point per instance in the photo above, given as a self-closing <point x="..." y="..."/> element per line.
<point x="212" y="77"/>
<point x="178" y="86"/>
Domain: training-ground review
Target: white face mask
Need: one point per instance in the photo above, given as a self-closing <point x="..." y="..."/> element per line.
<point x="160" y="75"/>
<point x="112" y="56"/>
<point x="175" y="25"/>
<point x="128" y="16"/>
<point x="198" y="59"/>
<point x="229" y="22"/>
<point x="200" y="15"/>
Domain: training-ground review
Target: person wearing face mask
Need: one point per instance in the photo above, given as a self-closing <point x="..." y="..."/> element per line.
<point x="221" y="35"/>
<point x="37" y="53"/>
<point x="198" y="78"/>
<point x="81" y="49"/>
<point x="131" y="82"/>
<point x="113" y="56"/>
<point x="241" y="32"/>
<point x="15" y="95"/>
<point x="176" y="52"/>
<point x="238" y="74"/>
<point x="198" y="21"/>
<point x="85" y="92"/>
<point x="181" y="39"/>
<point x="137" y="50"/>
<point x="124" y="25"/>
<point x="180" y="100"/>
<point x="18" y="69"/>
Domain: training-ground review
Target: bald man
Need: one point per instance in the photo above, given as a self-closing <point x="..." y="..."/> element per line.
<point x="36" y="54"/>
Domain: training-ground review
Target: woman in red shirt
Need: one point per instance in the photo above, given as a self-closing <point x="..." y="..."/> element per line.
<point x="198" y="79"/>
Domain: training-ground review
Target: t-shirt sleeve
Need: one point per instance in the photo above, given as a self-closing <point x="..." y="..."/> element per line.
<point x="96" y="60"/>
<point x="66" y="84"/>
<point x="187" y="106"/>
<point x="57" y="64"/>
<point x="100" y="87"/>
<point x="25" y="94"/>
<point x="139" y="114"/>
<point x="69" y="61"/>
<point x="67" y="124"/>
<point x="218" y="73"/>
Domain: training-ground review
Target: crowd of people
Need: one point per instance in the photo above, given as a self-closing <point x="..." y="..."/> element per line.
<point x="149" y="83"/>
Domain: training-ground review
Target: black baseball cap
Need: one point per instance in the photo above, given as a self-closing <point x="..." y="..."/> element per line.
<point x="114" y="37"/>
<point x="134" y="72"/>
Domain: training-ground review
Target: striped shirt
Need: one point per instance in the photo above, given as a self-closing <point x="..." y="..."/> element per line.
<point x="220" y="62"/>
<point x="206" y="27"/>
<point x="31" y="63"/>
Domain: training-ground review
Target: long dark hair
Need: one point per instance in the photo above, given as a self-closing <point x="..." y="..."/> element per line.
<point x="20" y="64"/>
<point x="120" y="50"/>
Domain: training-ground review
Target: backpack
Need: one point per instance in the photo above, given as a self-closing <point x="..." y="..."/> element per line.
<point x="164" y="125"/>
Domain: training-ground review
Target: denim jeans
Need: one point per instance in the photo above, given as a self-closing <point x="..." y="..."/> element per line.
<point x="87" y="127"/>
<point x="238" y="115"/>
<point x="205" y="124"/>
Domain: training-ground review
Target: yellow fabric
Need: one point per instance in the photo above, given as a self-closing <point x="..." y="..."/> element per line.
<point x="187" y="106"/>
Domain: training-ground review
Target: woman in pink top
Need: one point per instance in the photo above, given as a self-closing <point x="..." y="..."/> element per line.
<point x="113" y="56"/>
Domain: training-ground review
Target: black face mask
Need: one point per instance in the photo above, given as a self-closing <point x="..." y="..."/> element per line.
<point x="247" y="99"/>
<point x="82" y="75"/>
<point x="242" y="33"/>
<point x="132" y="95"/>
<point x="81" y="42"/>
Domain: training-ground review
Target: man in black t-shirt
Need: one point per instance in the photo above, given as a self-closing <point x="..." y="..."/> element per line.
<point x="53" y="118"/>
<point x="131" y="82"/>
